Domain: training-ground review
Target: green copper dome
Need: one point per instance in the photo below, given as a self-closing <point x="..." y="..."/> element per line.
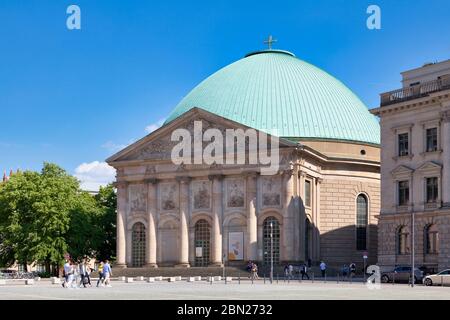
<point x="272" y="89"/>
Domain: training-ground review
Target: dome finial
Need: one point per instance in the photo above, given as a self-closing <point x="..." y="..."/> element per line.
<point x="270" y="41"/>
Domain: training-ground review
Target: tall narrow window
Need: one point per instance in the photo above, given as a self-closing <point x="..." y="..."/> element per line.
<point x="138" y="245"/>
<point x="307" y="193"/>
<point x="271" y="240"/>
<point x="403" y="241"/>
<point x="403" y="193"/>
<point x="202" y="243"/>
<point x="403" y="144"/>
<point x="432" y="140"/>
<point x="432" y="190"/>
<point x="361" y="222"/>
<point x="431" y="239"/>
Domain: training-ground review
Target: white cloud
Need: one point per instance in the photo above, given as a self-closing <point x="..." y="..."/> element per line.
<point x="154" y="126"/>
<point x="94" y="174"/>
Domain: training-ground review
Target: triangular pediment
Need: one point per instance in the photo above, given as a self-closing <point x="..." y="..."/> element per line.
<point x="430" y="166"/>
<point x="402" y="170"/>
<point x="158" y="145"/>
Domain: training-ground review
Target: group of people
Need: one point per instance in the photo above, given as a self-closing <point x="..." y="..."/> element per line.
<point x="349" y="271"/>
<point x="289" y="271"/>
<point x="78" y="274"/>
<point x="252" y="267"/>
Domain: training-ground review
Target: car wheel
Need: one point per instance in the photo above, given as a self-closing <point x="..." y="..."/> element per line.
<point x="428" y="282"/>
<point x="385" y="279"/>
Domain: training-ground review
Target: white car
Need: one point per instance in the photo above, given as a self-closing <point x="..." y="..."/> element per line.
<point x="442" y="278"/>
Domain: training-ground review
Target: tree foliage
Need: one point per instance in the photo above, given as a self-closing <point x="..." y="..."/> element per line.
<point x="44" y="215"/>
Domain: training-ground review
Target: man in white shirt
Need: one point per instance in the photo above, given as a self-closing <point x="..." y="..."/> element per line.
<point x="67" y="271"/>
<point x="323" y="268"/>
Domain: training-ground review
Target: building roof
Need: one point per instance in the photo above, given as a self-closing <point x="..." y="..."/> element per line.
<point x="272" y="89"/>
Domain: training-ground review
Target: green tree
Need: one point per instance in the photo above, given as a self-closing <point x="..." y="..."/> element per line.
<point x="35" y="215"/>
<point x="45" y="215"/>
<point x="107" y="202"/>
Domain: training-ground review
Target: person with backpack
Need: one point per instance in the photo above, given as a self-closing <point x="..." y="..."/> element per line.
<point x="352" y="269"/>
<point x="304" y="271"/>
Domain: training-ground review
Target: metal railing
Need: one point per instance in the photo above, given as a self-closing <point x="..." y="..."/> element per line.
<point x="416" y="91"/>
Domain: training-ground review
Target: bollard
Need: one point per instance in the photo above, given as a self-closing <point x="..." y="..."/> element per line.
<point x="239" y="278"/>
<point x="252" y="279"/>
<point x="442" y="284"/>
<point x="277" y="278"/>
<point x="226" y="278"/>
<point x="313" y="277"/>
<point x="211" y="279"/>
<point x="264" y="275"/>
<point x="338" y="278"/>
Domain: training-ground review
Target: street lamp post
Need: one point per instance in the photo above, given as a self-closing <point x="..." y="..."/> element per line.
<point x="271" y="252"/>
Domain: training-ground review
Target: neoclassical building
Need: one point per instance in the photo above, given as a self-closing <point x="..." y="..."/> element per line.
<point x="320" y="204"/>
<point x="415" y="171"/>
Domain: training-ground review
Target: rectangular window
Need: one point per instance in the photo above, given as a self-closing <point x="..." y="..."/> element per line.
<point x="432" y="190"/>
<point x="307" y="193"/>
<point x="403" y="145"/>
<point x="432" y="140"/>
<point x="403" y="193"/>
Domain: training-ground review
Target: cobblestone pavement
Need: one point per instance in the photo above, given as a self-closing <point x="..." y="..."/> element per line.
<point x="219" y="290"/>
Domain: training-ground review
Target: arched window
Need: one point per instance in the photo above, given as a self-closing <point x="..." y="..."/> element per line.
<point x="138" y="245"/>
<point x="307" y="238"/>
<point x="202" y="243"/>
<point x="361" y="222"/>
<point x="403" y="240"/>
<point x="431" y="239"/>
<point x="271" y="231"/>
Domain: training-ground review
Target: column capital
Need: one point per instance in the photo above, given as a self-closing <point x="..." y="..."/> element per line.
<point x="212" y="177"/>
<point x="183" y="179"/>
<point x="121" y="184"/>
<point x="152" y="181"/>
<point x="287" y="172"/>
<point x="445" y="116"/>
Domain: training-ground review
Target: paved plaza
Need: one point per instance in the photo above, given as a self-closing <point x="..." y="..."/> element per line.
<point x="201" y="290"/>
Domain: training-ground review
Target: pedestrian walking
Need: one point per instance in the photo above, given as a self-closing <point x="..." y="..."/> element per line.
<point x="107" y="273"/>
<point x="66" y="272"/>
<point x="101" y="276"/>
<point x="83" y="271"/>
<point x="323" y="269"/>
<point x="291" y="271"/>
<point x="304" y="271"/>
<point x="352" y="269"/>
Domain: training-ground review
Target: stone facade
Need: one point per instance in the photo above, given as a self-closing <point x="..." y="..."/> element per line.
<point x="422" y="105"/>
<point x="198" y="212"/>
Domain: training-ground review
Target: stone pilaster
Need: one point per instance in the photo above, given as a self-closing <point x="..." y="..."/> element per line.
<point x="288" y="218"/>
<point x="151" y="230"/>
<point x="122" y="205"/>
<point x="184" y="222"/>
<point x="445" y="145"/>
<point x="217" y="259"/>
<point x="252" y="221"/>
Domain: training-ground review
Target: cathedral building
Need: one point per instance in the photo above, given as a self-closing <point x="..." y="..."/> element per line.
<point x="320" y="204"/>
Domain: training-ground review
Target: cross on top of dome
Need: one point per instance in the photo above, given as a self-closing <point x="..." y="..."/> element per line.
<point x="270" y="41"/>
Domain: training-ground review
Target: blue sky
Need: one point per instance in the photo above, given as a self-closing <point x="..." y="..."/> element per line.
<point x="74" y="97"/>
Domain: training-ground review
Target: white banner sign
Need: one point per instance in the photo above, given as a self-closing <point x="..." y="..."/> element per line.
<point x="235" y="246"/>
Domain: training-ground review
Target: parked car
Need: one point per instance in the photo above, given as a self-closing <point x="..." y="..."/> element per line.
<point x="441" y="278"/>
<point x="402" y="274"/>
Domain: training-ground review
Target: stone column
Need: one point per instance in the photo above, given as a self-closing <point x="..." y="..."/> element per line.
<point x="184" y="222"/>
<point x="288" y="220"/>
<point x="252" y="221"/>
<point x="151" y="230"/>
<point x="217" y="259"/>
<point x="122" y="205"/>
<point x="445" y="145"/>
